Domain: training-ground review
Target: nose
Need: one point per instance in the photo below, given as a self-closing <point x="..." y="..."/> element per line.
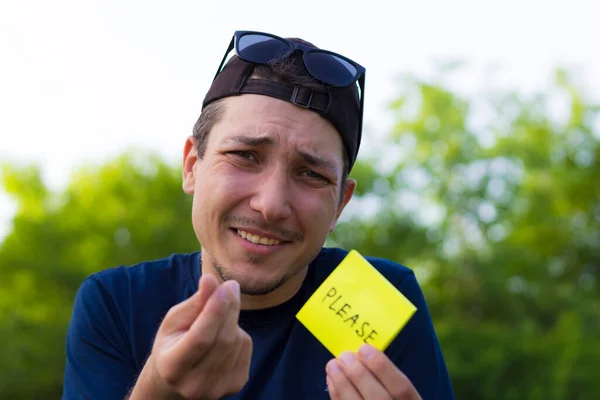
<point x="271" y="197"/>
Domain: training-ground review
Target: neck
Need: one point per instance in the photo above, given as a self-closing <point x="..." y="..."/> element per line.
<point x="277" y="296"/>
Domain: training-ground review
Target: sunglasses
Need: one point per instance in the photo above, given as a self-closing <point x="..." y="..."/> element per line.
<point x="326" y="66"/>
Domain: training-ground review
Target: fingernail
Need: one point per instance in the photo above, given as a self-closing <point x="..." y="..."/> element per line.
<point x="235" y="290"/>
<point x="224" y="293"/>
<point x="333" y="367"/>
<point x="367" y="351"/>
<point x="347" y="357"/>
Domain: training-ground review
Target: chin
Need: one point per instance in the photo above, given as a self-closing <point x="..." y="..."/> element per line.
<point x="260" y="288"/>
<point x="253" y="285"/>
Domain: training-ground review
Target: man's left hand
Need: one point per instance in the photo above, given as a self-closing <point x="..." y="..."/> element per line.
<point x="367" y="375"/>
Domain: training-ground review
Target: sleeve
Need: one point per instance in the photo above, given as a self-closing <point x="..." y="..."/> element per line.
<point x="416" y="351"/>
<point x="99" y="363"/>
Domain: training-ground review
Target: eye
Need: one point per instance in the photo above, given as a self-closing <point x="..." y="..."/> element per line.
<point x="246" y="155"/>
<point x="312" y="174"/>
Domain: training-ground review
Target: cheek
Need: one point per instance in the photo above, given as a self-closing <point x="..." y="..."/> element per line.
<point x="220" y="187"/>
<point x="316" y="210"/>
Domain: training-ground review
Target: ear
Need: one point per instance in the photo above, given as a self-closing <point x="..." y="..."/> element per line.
<point x="347" y="195"/>
<point x="190" y="156"/>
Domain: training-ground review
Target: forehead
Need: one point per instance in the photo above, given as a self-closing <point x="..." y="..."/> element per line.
<point x="289" y="124"/>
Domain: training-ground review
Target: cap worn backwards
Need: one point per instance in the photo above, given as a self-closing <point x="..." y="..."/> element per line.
<point x="339" y="105"/>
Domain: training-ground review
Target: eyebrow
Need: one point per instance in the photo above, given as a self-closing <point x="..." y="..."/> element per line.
<point x="318" y="162"/>
<point x="249" y="141"/>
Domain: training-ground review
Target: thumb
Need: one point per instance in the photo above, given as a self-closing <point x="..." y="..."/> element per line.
<point x="181" y="316"/>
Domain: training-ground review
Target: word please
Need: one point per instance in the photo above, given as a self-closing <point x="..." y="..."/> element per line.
<point x="344" y="310"/>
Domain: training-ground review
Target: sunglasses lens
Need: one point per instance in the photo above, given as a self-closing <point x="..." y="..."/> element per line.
<point x="331" y="69"/>
<point x="261" y="48"/>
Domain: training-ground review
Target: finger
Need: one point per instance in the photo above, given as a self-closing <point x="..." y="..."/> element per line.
<point x="182" y="316"/>
<point x="229" y="330"/>
<point x="225" y="340"/>
<point x="333" y="395"/>
<point x="363" y="380"/>
<point x="343" y="388"/>
<point x="206" y="286"/>
<point x="198" y="340"/>
<point x="245" y="356"/>
<point x="237" y="366"/>
<point x="396" y="383"/>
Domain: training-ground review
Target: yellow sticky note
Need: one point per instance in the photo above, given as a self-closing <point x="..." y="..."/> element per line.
<point x="355" y="305"/>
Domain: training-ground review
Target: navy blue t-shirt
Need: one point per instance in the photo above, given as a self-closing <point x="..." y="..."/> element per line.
<point x="117" y="313"/>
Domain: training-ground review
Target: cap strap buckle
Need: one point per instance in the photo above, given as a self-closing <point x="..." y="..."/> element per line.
<point x="296" y="94"/>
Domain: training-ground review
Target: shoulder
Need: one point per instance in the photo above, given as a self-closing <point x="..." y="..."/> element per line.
<point x="121" y="290"/>
<point x="169" y="272"/>
<point x="329" y="258"/>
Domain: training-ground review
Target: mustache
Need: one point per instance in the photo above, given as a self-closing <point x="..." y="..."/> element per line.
<point x="246" y="222"/>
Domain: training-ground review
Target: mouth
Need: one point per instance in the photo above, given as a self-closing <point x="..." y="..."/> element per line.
<point x="258" y="239"/>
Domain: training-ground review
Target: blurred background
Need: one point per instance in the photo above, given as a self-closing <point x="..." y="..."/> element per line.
<point x="479" y="169"/>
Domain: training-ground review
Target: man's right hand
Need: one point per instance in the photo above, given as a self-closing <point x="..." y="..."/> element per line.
<point x="199" y="352"/>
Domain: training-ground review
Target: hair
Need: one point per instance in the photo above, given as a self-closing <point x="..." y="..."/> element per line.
<point x="285" y="70"/>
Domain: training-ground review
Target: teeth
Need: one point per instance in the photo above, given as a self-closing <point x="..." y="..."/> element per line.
<point x="257" y="239"/>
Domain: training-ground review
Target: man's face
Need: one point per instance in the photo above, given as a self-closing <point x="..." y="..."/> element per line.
<point x="271" y="174"/>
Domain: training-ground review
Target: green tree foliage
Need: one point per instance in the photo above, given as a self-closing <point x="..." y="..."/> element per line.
<point x="124" y="212"/>
<point x="499" y="216"/>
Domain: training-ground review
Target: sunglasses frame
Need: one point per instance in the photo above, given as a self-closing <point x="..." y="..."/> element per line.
<point x="360" y="70"/>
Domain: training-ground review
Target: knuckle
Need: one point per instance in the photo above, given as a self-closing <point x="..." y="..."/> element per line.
<point x="168" y="372"/>
<point x="172" y="312"/>
<point x="354" y="371"/>
<point x="244" y="338"/>
<point x="170" y="378"/>
<point x="226" y="341"/>
<point x="203" y="342"/>
<point x="245" y="341"/>
<point x="189" y="391"/>
<point x="377" y="365"/>
<point x="401" y="392"/>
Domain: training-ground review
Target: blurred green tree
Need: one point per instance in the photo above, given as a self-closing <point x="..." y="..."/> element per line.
<point x="498" y="216"/>
<point x="124" y="212"/>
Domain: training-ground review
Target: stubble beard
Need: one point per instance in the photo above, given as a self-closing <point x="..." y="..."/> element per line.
<point x="251" y="289"/>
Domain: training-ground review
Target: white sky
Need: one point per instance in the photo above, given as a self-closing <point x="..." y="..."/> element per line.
<point x="85" y="80"/>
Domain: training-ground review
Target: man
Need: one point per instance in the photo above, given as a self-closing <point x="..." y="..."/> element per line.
<point x="268" y="171"/>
